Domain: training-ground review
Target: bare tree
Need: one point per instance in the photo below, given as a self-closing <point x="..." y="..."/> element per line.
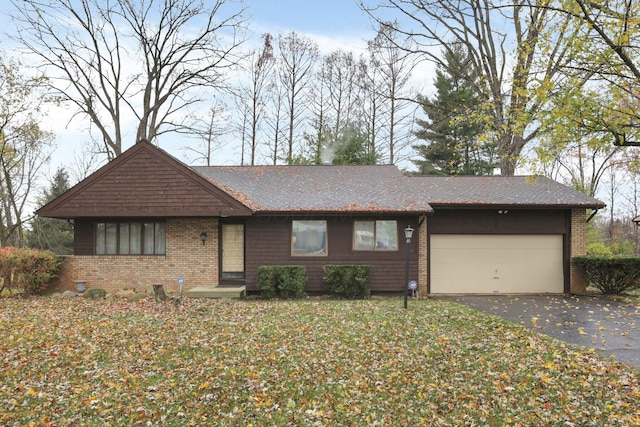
<point x="372" y="104"/>
<point x="341" y="77"/>
<point x="209" y="129"/>
<point x="273" y="120"/>
<point x="297" y="56"/>
<point x="517" y="50"/>
<point x="148" y="59"/>
<point x="318" y="106"/>
<point x="394" y="66"/>
<point x="253" y="93"/>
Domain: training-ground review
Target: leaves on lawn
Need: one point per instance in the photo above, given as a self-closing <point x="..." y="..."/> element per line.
<point x="257" y="363"/>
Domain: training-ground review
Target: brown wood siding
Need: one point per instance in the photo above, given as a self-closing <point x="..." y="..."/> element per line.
<point x="490" y="221"/>
<point x="144" y="183"/>
<point x="268" y="242"/>
<point x="83" y="239"/>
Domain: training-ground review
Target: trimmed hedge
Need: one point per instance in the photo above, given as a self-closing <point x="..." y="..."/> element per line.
<point x="349" y="281"/>
<point x="611" y="274"/>
<point x="28" y="269"/>
<point x="284" y="281"/>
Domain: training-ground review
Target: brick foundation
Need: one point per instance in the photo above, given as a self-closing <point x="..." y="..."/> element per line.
<point x="185" y="257"/>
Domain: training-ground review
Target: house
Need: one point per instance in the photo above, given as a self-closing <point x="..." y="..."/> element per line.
<point x="146" y="218"/>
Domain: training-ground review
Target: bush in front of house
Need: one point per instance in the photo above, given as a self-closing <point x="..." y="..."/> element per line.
<point x="28" y="269"/>
<point x="284" y="281"/>
<point x="611" y="274"/>
<point x="349" y="281"/>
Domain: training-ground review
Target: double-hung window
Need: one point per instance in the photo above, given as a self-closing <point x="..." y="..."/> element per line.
<point x="380" y="235"/>
<point x="130" y="238"/>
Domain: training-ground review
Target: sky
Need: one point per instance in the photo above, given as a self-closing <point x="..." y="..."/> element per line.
<point x="338" y="19"/>
<point x="332" y="24"/>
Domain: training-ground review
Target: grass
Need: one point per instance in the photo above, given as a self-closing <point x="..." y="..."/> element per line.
<point x="262" y="363"/>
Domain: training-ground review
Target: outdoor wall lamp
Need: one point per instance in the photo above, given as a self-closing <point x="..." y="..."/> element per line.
<point x="503" y="212"/>
<point x="203" y="237"/>
<point x="408" y="233"/>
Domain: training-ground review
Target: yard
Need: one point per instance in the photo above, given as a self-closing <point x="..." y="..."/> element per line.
<point x="309" y="362"/>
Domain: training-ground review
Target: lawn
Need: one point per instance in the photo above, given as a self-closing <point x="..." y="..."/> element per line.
<point x="261" y="363"/>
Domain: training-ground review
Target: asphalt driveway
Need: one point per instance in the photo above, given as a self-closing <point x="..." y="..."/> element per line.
<point x="612" y="327"/>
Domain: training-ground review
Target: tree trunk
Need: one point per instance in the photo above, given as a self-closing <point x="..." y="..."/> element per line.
<point x="158" y="291"/>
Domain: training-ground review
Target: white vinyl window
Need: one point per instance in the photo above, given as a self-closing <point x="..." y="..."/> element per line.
<point x="130" y="238"/>
<point x="309" y="238"/>
<point x="380" y="235"/>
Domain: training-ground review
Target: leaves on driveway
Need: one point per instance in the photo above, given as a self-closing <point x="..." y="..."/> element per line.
<point x="611" y="326"/>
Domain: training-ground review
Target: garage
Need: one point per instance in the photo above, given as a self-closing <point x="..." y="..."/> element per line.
<point x="496" y="263"/>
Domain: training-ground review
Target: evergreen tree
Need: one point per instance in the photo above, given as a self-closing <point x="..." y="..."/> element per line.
<point x="452" y="131"/>
<point x="52" y="234"/>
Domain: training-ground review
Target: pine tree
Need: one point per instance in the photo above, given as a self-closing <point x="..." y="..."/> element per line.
<point x="452" y="130"/>
<point x="52" y="234"/>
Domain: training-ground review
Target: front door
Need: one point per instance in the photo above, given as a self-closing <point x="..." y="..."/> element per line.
<point x="232" y="251"/>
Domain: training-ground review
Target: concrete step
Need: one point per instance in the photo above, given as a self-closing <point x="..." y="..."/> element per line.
<point x="238" y="292"/>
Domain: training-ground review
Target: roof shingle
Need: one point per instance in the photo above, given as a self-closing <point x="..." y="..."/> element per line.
<point x="519" y="191"/>
<point x="380" y="188"/>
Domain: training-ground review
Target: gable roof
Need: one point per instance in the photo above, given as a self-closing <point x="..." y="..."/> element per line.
<point x="318" y="188"/>
<point x="144" y="181"/>
<point x="490" y="191"/>
<point x="147" y="182"/>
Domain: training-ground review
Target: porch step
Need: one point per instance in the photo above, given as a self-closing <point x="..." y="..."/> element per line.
<point x="239" y="292"/>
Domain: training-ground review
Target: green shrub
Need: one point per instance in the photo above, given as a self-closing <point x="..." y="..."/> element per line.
<point x="611" y="275"/>
<point x="598" y="249"/>
<point x="285" y="281"/>
<point x="266" y="282"/>
<point x="29" y="269"/>
<point x="349" y="281"/>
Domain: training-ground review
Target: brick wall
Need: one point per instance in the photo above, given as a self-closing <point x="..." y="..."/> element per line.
<point x="578" y="283"/>
<point x="186" y="257"/>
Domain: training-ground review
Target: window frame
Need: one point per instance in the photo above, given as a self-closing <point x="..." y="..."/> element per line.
<point x="136" y="230"/>
<point x="374" y="242"/>
<point x="294" y="238"/>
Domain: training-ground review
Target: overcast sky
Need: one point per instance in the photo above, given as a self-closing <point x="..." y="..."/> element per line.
<point x="333" y="24"/>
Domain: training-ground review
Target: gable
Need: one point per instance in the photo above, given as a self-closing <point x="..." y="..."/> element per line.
<point x="144" y="182"/>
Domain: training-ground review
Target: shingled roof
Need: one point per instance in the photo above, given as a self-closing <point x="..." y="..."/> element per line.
<point x="318" y="188"/>
<point x="489" y="191"/>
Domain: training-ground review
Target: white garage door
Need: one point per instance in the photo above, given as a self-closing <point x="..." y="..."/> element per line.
<point x="489" y="264"/>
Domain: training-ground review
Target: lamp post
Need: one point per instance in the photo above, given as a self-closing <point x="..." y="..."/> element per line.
<point x="408" y="232"/>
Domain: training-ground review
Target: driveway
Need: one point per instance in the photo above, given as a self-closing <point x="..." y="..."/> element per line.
<point x="611" y="327"/>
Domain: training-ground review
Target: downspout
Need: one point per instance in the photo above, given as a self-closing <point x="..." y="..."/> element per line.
<point x="593" y="214"/>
